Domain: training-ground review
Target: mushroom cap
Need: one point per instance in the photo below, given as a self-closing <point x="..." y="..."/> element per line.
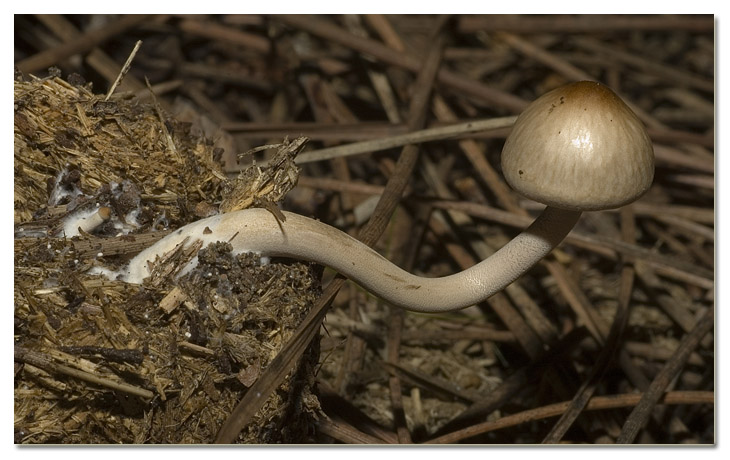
<point x="579" y="147"/>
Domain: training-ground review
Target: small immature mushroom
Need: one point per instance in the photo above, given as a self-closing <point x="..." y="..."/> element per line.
<point x="576" y="148"/>
<point x="86" y="221"/>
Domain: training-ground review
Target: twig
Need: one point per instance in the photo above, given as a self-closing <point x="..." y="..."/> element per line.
<point x="552" y="410"/>
<point x="470" y="87"/>
<point x="224" y="75"/>
<point x="675" y="157"/>
<point x="547" y="58"/>
<point x="693" y="180"/>
<point x="585" y="23"/>
<point x="395" y="328"/>
<point x="686" y="225"/>
<point x="678" y="312"/>
<point x="90" y="246"/>
<point x="46" y="363"/>
<point x="642" y="412"/>
<point x="523" y="376"/>
<point x="80" y="44"/>
<point x="652" y="352"/>
<point x="586" y="390"/>
<point x="475" y="154"/>
<point x="644" y="63"/>
<point x="97" y="59"/>
<point x="158" y="89"/>
<point x="340" y="409"/>
<point x="440" y="387"/>
<point x="125" y="68"/>
<point x="217" y="32"/>
<point x="416" y="137"/>
<point x="344" y="432"/>
<point x="680" y="137"/>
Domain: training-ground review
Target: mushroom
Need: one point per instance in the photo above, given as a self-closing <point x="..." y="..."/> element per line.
<point x="576" y="148"/>
<point x="579" y="147"/>
<point x="86" y="221"/>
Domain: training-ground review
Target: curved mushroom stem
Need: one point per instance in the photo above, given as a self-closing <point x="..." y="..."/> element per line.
<point x="257" y="230"/>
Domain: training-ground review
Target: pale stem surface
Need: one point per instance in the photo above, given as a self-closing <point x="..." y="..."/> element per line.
<point x="256" y="230"/>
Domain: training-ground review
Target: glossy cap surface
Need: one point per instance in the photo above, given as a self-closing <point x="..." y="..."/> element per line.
<point x="579" y="147"/>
